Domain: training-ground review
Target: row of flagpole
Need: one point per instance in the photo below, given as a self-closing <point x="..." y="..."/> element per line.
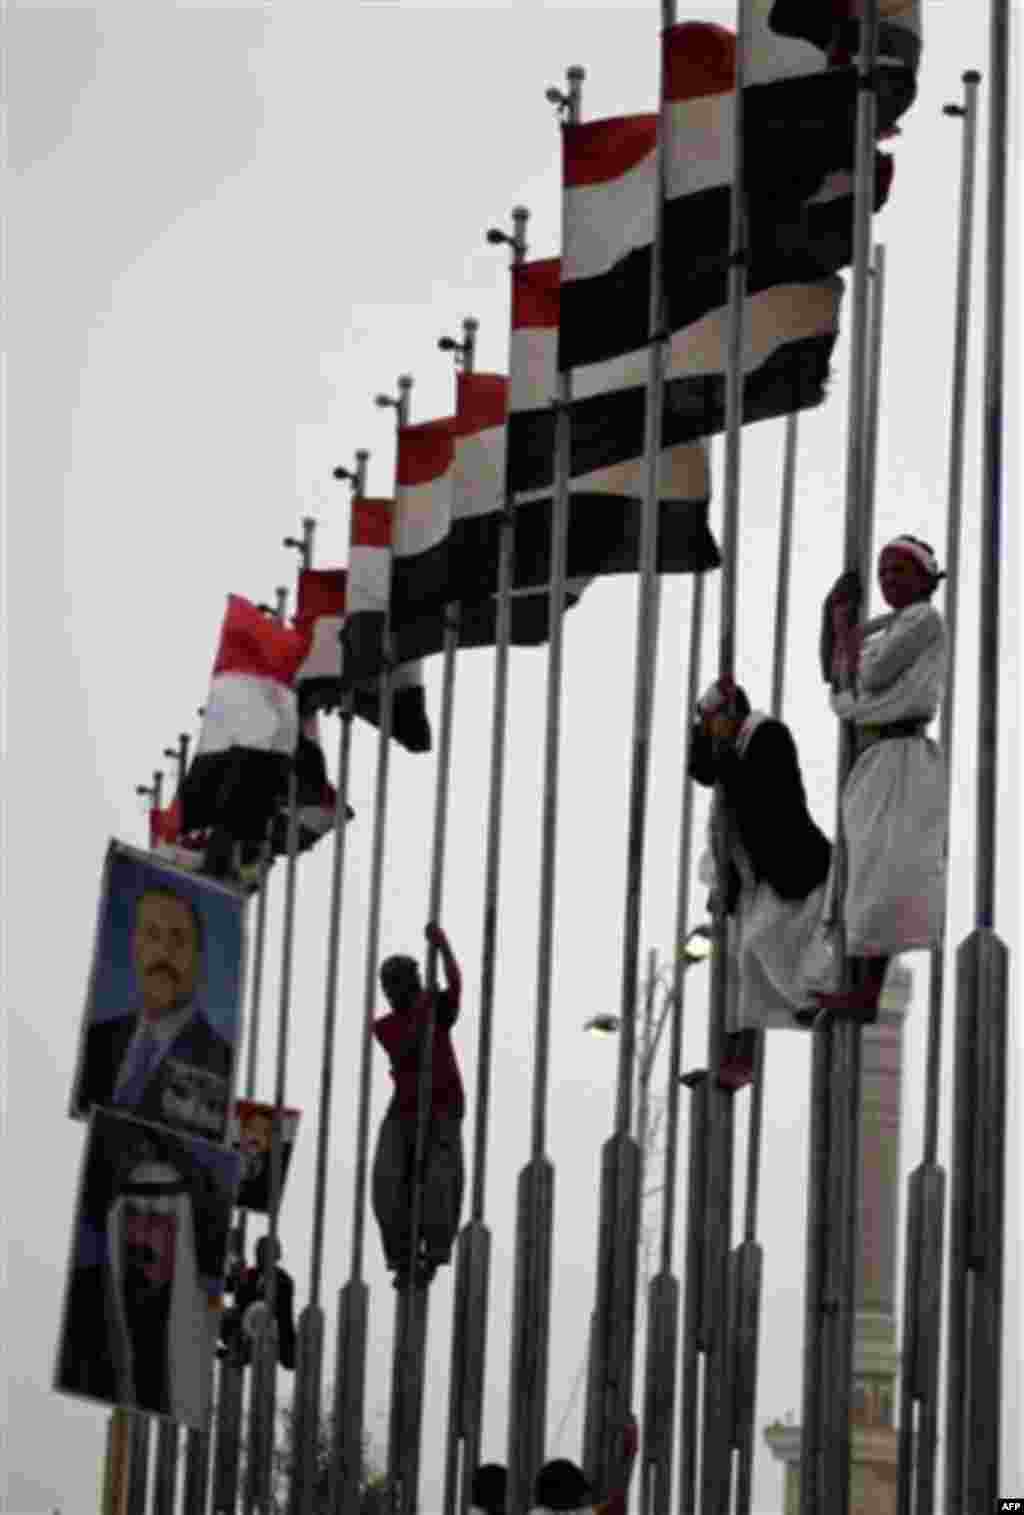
<point x="711" y="1325"/>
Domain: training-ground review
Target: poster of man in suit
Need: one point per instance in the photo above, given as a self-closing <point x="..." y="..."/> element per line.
<point x="161" y="1024"/>
<point x="144" y="1288"/>
<point x="250" y="1133"/>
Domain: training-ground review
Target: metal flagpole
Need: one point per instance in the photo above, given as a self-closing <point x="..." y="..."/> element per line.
<point x="310" y="1344"/>
<point x="232" y="1370"/>
<point x="138" y="1463"/>
<point x="663" y="1294"/>
<point x="197" y="1469"/>
<point x="138" y="1448"/>
<point x="411" y="1301"/>
<point x="922" y="1299"/>
<point x="832" y="1225"/>
<point x="165" y="1483"/>
<point x="974" y="1352"/>
<point x="197" y="1442"/>
<point x="715" y="1326"/>
<point x="265" y="1348"/>
<point x="257" y="1492"/>
<point x="528" y="1375"/>
<point x="472" y="1266"/>
<point x="747" y="1259"/>
<point x="621" y="1164"/>
<point x="345" y="1489"/>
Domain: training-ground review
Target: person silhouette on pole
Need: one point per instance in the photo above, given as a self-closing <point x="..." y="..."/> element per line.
<point x="401" y="1033"/>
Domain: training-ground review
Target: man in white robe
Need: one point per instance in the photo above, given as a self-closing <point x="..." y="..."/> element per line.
<point x="887" y="677"/>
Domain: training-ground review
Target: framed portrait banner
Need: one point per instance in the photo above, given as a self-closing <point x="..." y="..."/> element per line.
<point x="249" y="1134"/>
<point x="160" y="1031"/>
<point x="145" y="1277"/>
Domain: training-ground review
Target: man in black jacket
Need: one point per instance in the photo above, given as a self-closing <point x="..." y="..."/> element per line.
<point x="778" y="862"/>
<point x="250" y="1290"/>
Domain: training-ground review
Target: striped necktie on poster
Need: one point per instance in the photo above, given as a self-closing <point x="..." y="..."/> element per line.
<point x="143" y="1059"/>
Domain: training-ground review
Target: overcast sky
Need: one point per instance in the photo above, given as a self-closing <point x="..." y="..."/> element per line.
<point x="231" y="227"/>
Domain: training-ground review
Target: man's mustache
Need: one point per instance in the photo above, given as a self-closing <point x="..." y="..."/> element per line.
<point x="163" y="967"/>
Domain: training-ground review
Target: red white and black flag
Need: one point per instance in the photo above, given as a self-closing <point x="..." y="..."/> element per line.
<point x="806" y="39"/>
<point x="250" y="727"/>
<point x="368" y="592"/>
<point x="800" y="225"/>
<point x="420" y="537"/>
<point x="607" y="468"/>
<point x="320" y="618"/>
<point x="791" y="328"/>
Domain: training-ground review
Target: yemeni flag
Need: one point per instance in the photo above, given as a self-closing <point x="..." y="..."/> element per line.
<point x="167" y="838"/>
<point x="320" y="619"/>
<point x="420" y="535"/>
<point x="316" y="799"/>
<point x="791" y="327"/>
<point x="478" y="485"/>
<point x="804" y="39"/>
<point x="368" y="591"/>
<point x="607" y="468"/>
<point x="798" y="233"/>
<point x="250" y="729"/>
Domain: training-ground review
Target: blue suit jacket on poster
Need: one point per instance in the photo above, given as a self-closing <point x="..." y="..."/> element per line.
<point x="188" y="1090"/>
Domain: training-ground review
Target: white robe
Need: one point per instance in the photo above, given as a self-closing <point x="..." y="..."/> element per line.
<point x="894" y="801"/>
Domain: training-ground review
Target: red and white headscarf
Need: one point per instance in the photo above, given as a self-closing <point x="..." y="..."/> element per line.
<point x="919" y="551"/>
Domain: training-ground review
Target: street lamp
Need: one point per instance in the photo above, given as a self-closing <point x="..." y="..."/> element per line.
<point x="697" y="948"/>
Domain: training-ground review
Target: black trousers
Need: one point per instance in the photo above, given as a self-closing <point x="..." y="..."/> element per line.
<point x="443" y="1183"/>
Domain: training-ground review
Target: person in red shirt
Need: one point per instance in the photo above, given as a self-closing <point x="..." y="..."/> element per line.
<point x="402" y="1034"/>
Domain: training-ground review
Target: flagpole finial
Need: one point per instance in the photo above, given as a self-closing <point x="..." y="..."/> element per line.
<point x="568" y="101"/>
<point x="462" y="351"/>
<point x="517" y="241"/>
<point x="401" y="403"/>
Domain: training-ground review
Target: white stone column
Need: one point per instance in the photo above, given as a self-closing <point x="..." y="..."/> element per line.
<point x="876" y="1356"/>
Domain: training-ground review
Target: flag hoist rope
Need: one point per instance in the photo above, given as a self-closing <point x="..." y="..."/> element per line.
<point x="977" y="1213"/>
<point x="621" y="1167"/>
<point x="535" y="1189"/>
<point x="345" y="1493"/>
<point x="832" y="1224"/>
<point x="411" y="1300"/>
<point x="309" y="1365"/>
<point x="469" y="1328"/>
<point x="922" y="1297"/>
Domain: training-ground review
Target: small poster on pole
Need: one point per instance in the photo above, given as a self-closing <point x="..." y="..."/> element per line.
<point x="250" y="1133"/>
